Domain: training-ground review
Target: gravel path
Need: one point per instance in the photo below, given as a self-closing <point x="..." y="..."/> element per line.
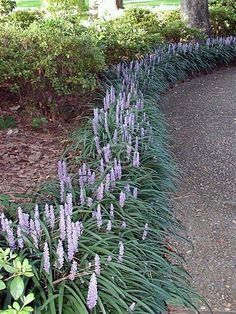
<point x="202" y="118"/>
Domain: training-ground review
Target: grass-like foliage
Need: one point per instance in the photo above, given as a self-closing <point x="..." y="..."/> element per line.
<point x="101" y="241"/>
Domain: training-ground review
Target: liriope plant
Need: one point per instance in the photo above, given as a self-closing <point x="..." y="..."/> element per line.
<point x="101" y="241"/>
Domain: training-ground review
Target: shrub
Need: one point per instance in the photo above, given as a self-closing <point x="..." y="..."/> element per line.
<point x="177" y="31"/>
<point x="223" y="21"/>
<point x="14" y="276"/>
<point x="129" y="36"/>
<point x="6" y="6"/>
<point x="46" y="62"/>
<point x="24" y="18"/>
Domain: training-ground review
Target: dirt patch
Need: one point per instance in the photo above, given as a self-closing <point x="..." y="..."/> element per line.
<point x="29" y="157"/>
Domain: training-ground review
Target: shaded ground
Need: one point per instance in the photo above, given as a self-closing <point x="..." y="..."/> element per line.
<point x="28" y="157"/>
<point x="202" y="118"/>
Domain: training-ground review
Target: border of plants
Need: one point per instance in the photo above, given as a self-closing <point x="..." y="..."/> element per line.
<point x="101" y="244"/>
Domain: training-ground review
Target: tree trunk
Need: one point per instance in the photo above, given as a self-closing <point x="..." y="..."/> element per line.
<point x="196" y="14"/>
<point x="119" y="4"/>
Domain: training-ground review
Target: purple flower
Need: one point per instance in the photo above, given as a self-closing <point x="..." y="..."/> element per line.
<point x="60" y="254"/>
<point x="132" y="306"/>
<point x="109" y="258"/>
<point x="82" y="197"/>
<point x="145" y="232"/>
<point x="75" y="237"/>
<point x="99" y="216"/>
<point x="109" y="225"/>
<point x="118" y="170"/>
<point x="33" y="233"/>
<point x="135" y="193"/>
<point x="10" y="234"/>
<point x="100" y="192"/>
<point x="121" y="251"/>
<point x="97" y="265"/>
<point x="123" y="225"/>
<point x="46" y="210"/>
<point x="136" y="159"/>
<point x="112" y="211"/>
<point x="107" y="153"/>
<point x="113" y="177"/>
<point x="122" y="199"/>
<point x="3" y="222"/>
<point x="92" y="292"/>
<point x="108" y="182"/>
<point x="52" y="217"/>
<point x="23" y="220"/>
<point x="69" y="201"/>
<point x="46" y="258"/>
<point x="127" y="188"/>
<point x="36" y="220"/>
<point x="101" y="166"/>
<point x="62" y="224"/>
<point x="106" y="123"/>
<point x="79" y="228"/>
<point x="89" y="201"/>
<point x="19" y="236"/>
<point x="73" y="271"/>
<point x="97" y="143"/>
<point x="115" y="136"/>
<point x="71" y="248"/>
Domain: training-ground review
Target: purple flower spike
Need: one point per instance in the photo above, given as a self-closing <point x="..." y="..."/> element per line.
<point x="113" y="178"/>
<point x="46" y="258"/>
<point x="10" y="234"/>
<point x="73" y="271"/>
<point x="82" y="197"/>
<point x="122" y="199"/>
<point x="97" y="143"/>
<point x="123" y="225"/>
<point x="99" y="216"/>
<point x="33" y="233"/>
<point x="135" y="193"/>
<point x="52" y="217"/>
<point x="62" y="223"/>
<point x="92" y="292"/>
<point x="107" y="153"/>
<point x="112" y="211"/>
<point x="75" y="237"/>
<point x="145" y="232"/>
<point x="3" y="222"/>
<point x="19" y="236"/>
<point x="108" y="182"/>
<point x="69" y="201"/>
<point x="36" y="220"/>
<point x="100" y="192"/>
<point x="136" y="161"/>
<point x="101" y="166"/>
<point x="46" y="210"/>
<point x="89" y="202"/>
<point x="109" y="225"/>
<point x="109" y="259"/>
<point x="121" y="252"/>
<point x="115" y="136"/>
<point x="132" y="307"/>
<point x="60" y="254"/>
<point x="97" y="265"/>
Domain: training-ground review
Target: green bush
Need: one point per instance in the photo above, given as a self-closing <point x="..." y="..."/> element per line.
<point x="45" y="62"/>
<point x="24" y="18"/>
<point x="223" y="21"/>
<point x="178" y="31"/>
<point x="6" y="6"/>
